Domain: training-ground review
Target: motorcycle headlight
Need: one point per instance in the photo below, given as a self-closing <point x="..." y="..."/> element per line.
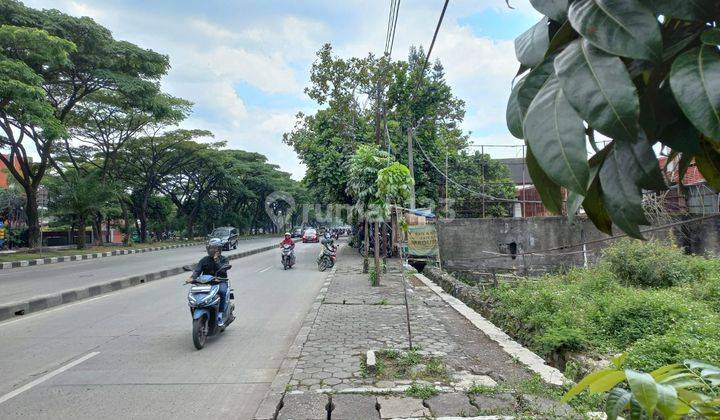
<point x="213" y="292"/>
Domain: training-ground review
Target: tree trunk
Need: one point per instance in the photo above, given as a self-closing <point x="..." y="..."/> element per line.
<point x="81" y="233"/>
<point x="33" y="217"/>
<point x="126" y="223"/>
<point x="108" y="233"/>
<point x="143" y="226"/>
<point x="384" y="245"/>
<point x="378" y="270"/>
<point x="366" y="245"/>
<point x="97" y="229"/>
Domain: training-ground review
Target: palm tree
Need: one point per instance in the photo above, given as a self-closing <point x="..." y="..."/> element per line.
<point x="364" y="166"/>
<point x="80" y="198"/>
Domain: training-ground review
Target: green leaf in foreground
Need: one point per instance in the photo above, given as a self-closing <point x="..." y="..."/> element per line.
<point x="531" y="45"/>
<point x="556" y="135"/>
<point x="550" y="193"/>
<point x="513" y="114"/>
<point x="598" y="86"/>
<point x="621" y="195"/>
<point x="626" y="28"/>
<point x="554" y="9"/>
<point x="695" y="83"/>
<point x="644" y="389"/>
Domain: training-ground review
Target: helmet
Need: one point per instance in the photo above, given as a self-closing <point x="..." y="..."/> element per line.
<point x="213" y="245"/>
<point x="287" y="234"/>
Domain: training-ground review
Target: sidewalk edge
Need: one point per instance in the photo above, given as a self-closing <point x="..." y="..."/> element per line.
<point x="79" y="257"/>
<point x="270" y="404"/>
<point x="531" y="360"/>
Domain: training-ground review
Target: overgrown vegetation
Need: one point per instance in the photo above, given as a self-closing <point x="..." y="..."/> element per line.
<point x="646" y="299"/>
<point x="392" y="364"/>
<point x="422" y="391"/>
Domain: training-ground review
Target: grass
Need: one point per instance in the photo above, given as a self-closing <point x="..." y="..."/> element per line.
<point x="392" y="364"/>
<point x="534" y="385"/>
<point x="50" y="253"/>
<point x="649" y="300"/>
<point x="422" y="391"/>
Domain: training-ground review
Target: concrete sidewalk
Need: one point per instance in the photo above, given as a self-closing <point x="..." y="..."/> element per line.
<point x="469" y="373"/>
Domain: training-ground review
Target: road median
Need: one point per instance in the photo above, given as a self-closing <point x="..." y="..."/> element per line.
<point x="42" y="302"/>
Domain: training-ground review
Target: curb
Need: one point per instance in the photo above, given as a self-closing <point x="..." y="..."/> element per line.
<point x="39" y="303"/>
<point x="79" y="257"/>
<point x="531" y="360"/>
<point x="272" y="402"/>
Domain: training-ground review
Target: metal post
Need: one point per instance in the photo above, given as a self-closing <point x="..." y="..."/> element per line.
<point x="482" y="174"/>
<point x="447" y="208"/>
<point x="411" y="167"/>
<point x="524" y="190"/>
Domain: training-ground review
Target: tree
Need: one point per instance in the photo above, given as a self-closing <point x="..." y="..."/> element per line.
<point x="25" y="112"/>
<point x="191" y="183"/>
<point x="12" y="206"/>
<point x="641" y="72"/>
<point x="148" y="162"/>
<point x="476" y="175"/>
<point x="77" y="58"/>
<point x="363" y="168"/>
<point x="394" y="187"/>
<point x="80" y="197"/>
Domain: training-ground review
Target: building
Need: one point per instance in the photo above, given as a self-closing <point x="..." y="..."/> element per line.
<point x="5" y="175"/>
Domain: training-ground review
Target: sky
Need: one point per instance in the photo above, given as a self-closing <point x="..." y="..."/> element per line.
<point x="245" y="63"/>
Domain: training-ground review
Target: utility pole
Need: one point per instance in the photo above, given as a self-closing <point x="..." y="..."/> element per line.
<point x="412" y="168"/>
<point x="447" y="205"/>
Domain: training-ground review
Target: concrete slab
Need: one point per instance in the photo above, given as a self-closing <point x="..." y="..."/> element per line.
<point x="401" y="407"/>
<point x="354" y="407"/>
<point x="495" y="403"/>
<point x="304" y="407"/>
<point x="453" y="404"/>
<point x="542" y="405"/>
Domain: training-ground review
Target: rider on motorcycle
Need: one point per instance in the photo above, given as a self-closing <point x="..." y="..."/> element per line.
<point x="287" y="241"/>
<point x="327" y="241"/>
<point x="211" y="265"/>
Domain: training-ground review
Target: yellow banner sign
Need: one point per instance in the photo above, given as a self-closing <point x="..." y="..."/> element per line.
<point x="422" y="240"/>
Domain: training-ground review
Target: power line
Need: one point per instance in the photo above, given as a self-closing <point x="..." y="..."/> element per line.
<point x="432" y="44"/>
<point x="392" y="37"/>
<point x="389" y="25"/>
<point x="478" y="193"/>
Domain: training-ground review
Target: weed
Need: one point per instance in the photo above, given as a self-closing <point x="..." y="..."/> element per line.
<point x="422" y="391"/>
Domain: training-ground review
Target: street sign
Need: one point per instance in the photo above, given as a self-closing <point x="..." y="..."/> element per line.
<point x="422" y="241"/>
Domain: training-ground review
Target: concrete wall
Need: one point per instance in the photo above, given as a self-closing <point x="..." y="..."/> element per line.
<point x="496" y="245"/>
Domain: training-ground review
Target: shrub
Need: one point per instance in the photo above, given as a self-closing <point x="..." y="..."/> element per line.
<point x="650" y="264"/>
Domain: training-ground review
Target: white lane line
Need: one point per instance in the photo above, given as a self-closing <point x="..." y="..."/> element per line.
<point x="45" y="377"/>
<point x="264" y="269"/>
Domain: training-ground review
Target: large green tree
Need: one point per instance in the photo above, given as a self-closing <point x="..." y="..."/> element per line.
<point x="640" y="72"/>
<point x="90" y="60"/>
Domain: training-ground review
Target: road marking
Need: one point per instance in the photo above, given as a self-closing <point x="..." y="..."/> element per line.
<point x="45" y="377"/>
<point x="264" y="269"/>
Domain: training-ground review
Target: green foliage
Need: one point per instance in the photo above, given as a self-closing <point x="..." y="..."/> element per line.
<point x="598" y="311"/>
<point x="651" y="264"/>
<point x="422" y="391"/>
<point x="670" y="391"/>
<point x="639" y="72"/>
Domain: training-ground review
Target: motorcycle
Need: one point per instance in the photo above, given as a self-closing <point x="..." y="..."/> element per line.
<point x="327" y="258"/>
<point x="204" y="305"/>
<point x="288" y="257"/>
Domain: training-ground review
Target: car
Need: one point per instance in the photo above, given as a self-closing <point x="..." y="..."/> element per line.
<point x="297" y="233"/>
<point x="227" y="234"/>
<point x="310" y="235"/>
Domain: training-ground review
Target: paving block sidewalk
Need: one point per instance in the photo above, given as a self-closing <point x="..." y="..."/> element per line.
<point x="355" y="317"/>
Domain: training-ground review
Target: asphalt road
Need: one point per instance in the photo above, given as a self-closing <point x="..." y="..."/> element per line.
<point x="23" y="283"/>
<point x="129" y="354"/>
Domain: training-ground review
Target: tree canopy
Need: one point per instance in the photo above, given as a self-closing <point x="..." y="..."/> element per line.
<point x="646" y="74"/>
